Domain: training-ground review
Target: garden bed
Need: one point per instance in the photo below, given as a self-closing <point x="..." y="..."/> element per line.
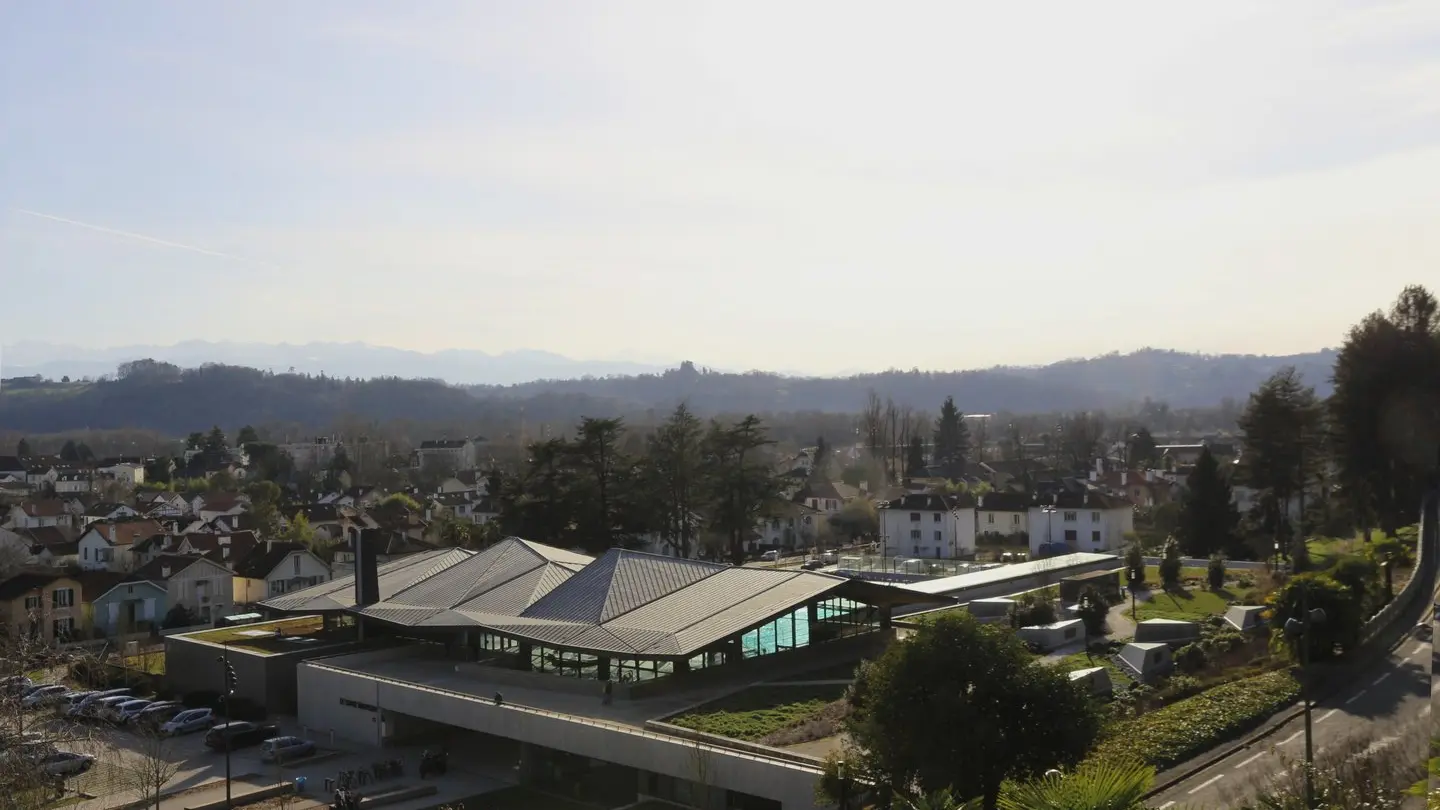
<point x="773" y="714"/>
<point x="1171" y="735"/>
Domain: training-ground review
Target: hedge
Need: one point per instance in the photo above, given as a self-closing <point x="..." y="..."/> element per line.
<point x="1175" y="733"/>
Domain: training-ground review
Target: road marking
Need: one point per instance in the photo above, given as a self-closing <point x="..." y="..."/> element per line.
<point x="1425" y="710"/>
<point x="1207" y="783"/>
<point x="1167" y="805"/>
<point x="1419" y="648"/>
<point x="1381" y="679"/>
<point x="1251" y="759"/>
<point x="1356" y="696"/>
<point x="1292" y="737"/>
<point x="1327" y="715"/>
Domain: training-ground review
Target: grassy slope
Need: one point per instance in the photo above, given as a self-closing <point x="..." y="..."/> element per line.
<point x="755" y="713"/>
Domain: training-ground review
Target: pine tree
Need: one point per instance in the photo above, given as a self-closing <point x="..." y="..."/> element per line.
<point x="915" y="457"/>
<point x="1135" y="566"/>
<point x="952" y="440"/>
<point x="1170" y="565"/>
<point x="1283" y="444"/>
<point x="22" y="448"/>
<point x="1208" y="517"/>
<point x="1215" y="573"/>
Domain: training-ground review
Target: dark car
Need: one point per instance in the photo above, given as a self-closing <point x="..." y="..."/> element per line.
<point x="813" y="565"/>
<point x="239" y="735"/>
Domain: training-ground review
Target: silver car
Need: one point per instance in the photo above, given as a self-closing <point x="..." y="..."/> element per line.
<point x="189" y="721"/>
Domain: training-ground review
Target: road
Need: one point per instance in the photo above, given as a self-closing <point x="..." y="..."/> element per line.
<point x="1196" y="562"/>
<point x="1394" y="691"/>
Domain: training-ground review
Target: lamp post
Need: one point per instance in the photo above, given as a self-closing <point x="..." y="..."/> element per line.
<point x="1300" y="629"/>
<point x="1084" y="612"/>
<point x="844" y="784"/>
<point x="227" y="673"/>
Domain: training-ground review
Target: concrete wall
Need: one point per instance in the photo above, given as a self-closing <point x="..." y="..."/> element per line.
<point x="269" y="680"/>
<point x="322" y="690"/>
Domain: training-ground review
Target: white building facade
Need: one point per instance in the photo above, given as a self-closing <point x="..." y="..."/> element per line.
<point x="927" y="525"/>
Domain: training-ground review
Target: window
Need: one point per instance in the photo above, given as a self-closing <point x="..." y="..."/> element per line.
<point x="104" y="554"/>
<point x="277" y="587"/>
<point x="807" y="520"/>
<point x="62" y="597"/>
<point x="914" y="517"/>
<point x="1095" y="538"/>
<point x="990" y="518"/>
<point x="938" y="538"/>
<point x="1071" y="536"/>
<point x="1094" y="517"/>
<point x="296" y="558"/>
<point x="1015" y="519"/>
<point x="914" y="534"/>
<point x="1070" y="516"/>
<point x="85" y="553"/>
<point x="32" y="603"/>
<point x="63" y="628"/>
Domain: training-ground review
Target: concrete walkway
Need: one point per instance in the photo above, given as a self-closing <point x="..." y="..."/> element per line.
<point x="1118" y="623"/>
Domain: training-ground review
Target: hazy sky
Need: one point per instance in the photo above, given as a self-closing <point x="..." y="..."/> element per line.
<point x="813" y="186"/>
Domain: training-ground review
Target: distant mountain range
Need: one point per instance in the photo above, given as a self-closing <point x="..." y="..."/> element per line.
<point x="175" y="401"/>
<point x="361" y="360"/>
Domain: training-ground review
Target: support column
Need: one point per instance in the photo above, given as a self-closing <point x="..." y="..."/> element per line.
<point x="682" y="666"/>
<point x="885" y="616"/>
<point x="734" y="651"/>
<point x="602" y="668"/>
<point x="523" y="657"/>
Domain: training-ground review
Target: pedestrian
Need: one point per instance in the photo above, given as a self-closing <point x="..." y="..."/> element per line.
<point x="609" y="691"/>
<point x="499" y="701"/>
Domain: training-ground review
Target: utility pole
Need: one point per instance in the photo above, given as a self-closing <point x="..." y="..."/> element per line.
<point x="1301" y="628"/>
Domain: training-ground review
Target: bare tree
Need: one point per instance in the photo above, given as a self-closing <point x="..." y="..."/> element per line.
<point x="31" y="732"/>
<point x="152" y="767"/>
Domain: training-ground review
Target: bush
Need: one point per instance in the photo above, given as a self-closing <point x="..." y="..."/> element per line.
<point x="1191" y="658"/>
<point x="1179" y="687"/>
<point x="1177" y="732"/>
<point x="1215" y="573"/>
<point x="1032" y="610"/>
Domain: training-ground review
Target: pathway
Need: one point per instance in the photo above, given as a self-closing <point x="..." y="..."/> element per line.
<point x="1118" y="622"/>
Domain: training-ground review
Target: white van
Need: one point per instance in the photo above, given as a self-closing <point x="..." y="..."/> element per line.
<point x="773" y="555"/>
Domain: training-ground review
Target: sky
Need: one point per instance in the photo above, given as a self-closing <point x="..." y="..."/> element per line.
<point x="808" y="186"/>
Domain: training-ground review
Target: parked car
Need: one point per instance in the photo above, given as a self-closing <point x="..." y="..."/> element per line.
<point x="770" y="556"/>
<point x="33" y="688"/>
<point x="70" y="700"/>
<point x="66" y="763"/>
<point x="813" y="565"/>
<point x="28" y="752"/>
<point x="285" y="749"/>
<point x="84" y="706"/>
<point x="12" y="684"/>
<point x="125" y="712"/>
<point x="103" y="709"/>
<point x="189" y="721"/>
<point x="238" y="734"/>
<point x="157" y="713"/>
<point x="43" y="696"/>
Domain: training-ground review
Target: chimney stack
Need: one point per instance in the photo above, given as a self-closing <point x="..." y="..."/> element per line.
<point x="367" y="577"/>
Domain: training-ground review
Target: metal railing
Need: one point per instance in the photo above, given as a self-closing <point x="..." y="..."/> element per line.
<point x="1424" y="562"/>
<point x="571" y="718"/>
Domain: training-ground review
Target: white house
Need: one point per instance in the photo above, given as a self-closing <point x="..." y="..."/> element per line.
<point x="211" y="505"/>
<point x="1069" y="522"/>
<point x="464" y="506"/>
<point x="107" y="511"/>
<point x="821" y="496"/>
<point x="71" y="482"/>
<point x="129" y="473"/>
<point x="465" y="481"/>
<point x="106" y="545"/>
<point x="928" y="525"/>
<point x="1002" y="513"/>
<point x="202" y="585"/>
<point x="277" y="568"/>
<point x="313" y="453"/>
<point x="793" y="526"/>
<point x="39" y="514"/>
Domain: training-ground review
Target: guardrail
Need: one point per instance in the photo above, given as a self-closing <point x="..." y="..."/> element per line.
<point x="1424" y="562"/>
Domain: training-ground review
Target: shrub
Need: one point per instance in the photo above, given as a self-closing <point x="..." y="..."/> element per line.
<point x="1188" y="727"/>
<point x="1170" y="565"/>
<point x="1178" y="687"/>
<point x="1191" y="658"/>
<point x="1215" y="573"/>
<point x="1032" y="610"/>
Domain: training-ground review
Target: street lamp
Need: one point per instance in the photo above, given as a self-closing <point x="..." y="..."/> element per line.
<point x="844" y="784"/>
<point x="1299" y="628"/>
<point x="1084" y="612"/>
<point x="227" y="672"/>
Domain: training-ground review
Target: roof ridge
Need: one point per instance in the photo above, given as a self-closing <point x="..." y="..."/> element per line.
<point x="634" y="608"/>
<point x="793" y="575"/>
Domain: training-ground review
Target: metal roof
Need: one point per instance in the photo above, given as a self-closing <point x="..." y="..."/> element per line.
<point x="339" y="593"/>
<point x="1058" y="566"/>
<point x="624" y="603"/>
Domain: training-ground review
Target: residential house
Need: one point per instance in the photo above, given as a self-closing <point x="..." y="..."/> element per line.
<point x="12" y="467"/>
<point x="129" y="607"/>
<point x="453" y="455"/>
<point x="1143" y="488"/>
<point x="229" y="524"/>
<point x="226" y="549"/>
<point x="791" y="527"/>
<point x="52" y="545"/>
<point x="929" y="524"/>
<point x="1013" y="475"/>
<point x="162" y="504"/>
<point x="106" y="545"/>
<point x="272" y="569"/>
<point x="42" y="604"/>
<point x="15" y="549"/>
<point x="144" y="550"/>
<point x="12" y="491"/>
<point x="393" y="516"/>
<point x="107" y="511"/>
<point x="464" y="481"/>
<point x="36" y="514"/>
<point x="390" y="545"/>
<point x="1002" y="514"/>
<point x="41" y="471"/>
<point x="128" y="472"/>
<point x="211" y="505"/>
<point x="201" y="585"/>
<point x="357" y="496"/>
<point x="71" y="482"/>
<point x="821" y="496"/>
<point x="1180" y="454"/>
<point x="1079" y="521"/>
<point x="464" y="506"/>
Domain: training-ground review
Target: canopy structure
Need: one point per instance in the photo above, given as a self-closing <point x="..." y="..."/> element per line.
<point x="623" y="603"/>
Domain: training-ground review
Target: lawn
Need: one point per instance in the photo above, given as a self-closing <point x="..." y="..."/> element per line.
<point x="1152" y="575"/>
<point x="244" y="636"/>
<point x="1119" y="679"/>
<point x="758" y="712"/>
<point x="150" y="663"/>
<point x="1188" y="605"/>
